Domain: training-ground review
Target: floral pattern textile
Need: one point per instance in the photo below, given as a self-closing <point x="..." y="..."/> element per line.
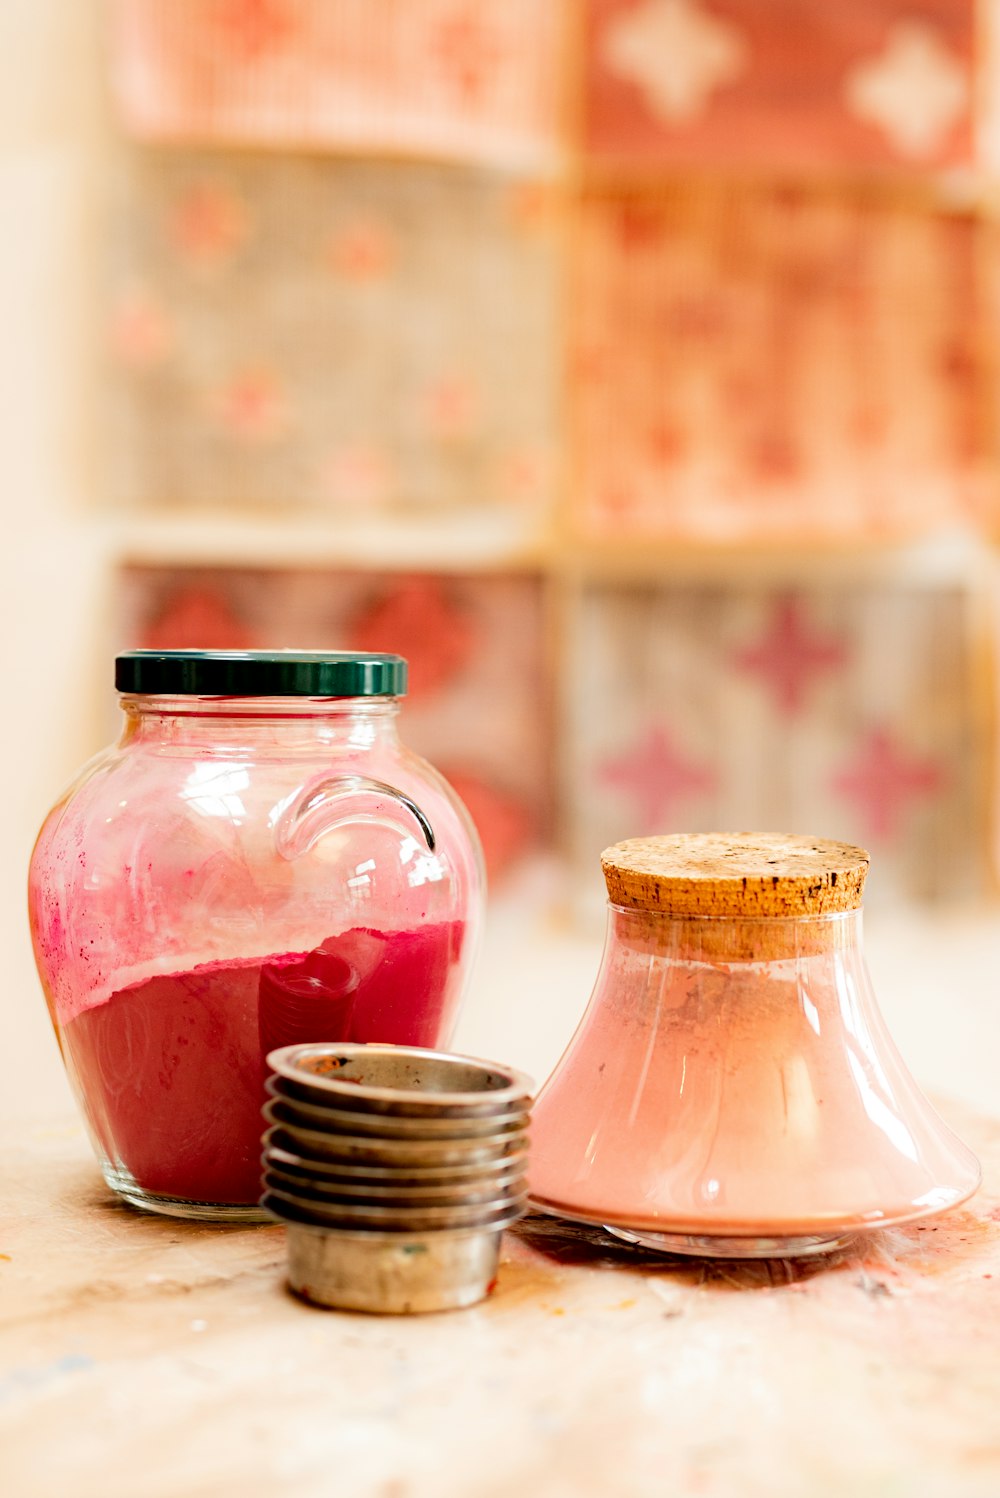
<point x="343" y="336"/>
<point x="474" y="80"/>
<point x="755" y="364"/>
<point x="781" y="84"/>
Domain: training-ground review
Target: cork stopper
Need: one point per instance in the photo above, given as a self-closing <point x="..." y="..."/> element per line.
<point x="757" y="875"/>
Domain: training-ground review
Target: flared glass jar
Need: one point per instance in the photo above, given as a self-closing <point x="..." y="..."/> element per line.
<point x="258" y="861"/>
<point x="732" y="1087"/>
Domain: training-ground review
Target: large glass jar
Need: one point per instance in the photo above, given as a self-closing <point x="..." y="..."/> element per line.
<point x="257" y="861"/>
<point x="732" y="1088"/>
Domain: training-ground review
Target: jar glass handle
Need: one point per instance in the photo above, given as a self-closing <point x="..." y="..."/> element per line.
<point x="334" y="801"/>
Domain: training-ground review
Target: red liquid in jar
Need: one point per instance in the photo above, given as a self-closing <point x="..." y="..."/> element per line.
<point x="173" y="1068"/>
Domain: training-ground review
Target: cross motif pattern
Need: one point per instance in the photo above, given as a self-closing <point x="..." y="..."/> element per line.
<point x="676" y="54"/>
<point x="658" y="777"/>
<point x="196" y="617"/>
<point x="252" y="407"/>
<point x="789" y="657"/>
<point x="791" y="87"/>
<point x="469" y="53"/>
<point x="418" y="618"/>
<point x="141" y="331"/>
<point x="883" y="780"/>
<point x="209" y="223"/>
<point x="915" y="91"/>
<point x="254" y="27"/>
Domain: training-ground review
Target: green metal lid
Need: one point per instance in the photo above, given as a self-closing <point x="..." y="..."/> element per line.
<point x="260" y="673"/>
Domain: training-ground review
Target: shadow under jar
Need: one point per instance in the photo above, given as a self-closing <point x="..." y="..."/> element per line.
<point x="258" y="862"/>
<point x="732" y="1089"/>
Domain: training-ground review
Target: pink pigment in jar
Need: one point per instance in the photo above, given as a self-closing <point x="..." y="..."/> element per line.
<point x="258" y="861"/>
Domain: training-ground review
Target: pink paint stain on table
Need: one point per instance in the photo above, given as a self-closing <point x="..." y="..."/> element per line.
<point x="173" y="1067"/>
<point x="949" y="1258"/>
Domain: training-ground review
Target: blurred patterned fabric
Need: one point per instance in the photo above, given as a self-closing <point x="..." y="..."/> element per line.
<point x="756" y="363"/>
<point x="342" y="335"/>
<point x="781" y="84"/>
<point x="647" y="280"/>
<point x="473" y="80"/>
<point x="477" y="648"/>
<point x="845" y="708"/>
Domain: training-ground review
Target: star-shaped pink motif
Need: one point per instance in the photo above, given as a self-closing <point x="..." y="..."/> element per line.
<point x="658" y="777"/>
<point x="363" y="252"/>
<point x="450" y="407"/>
<point x="789" y="657"/>
<point x="703" y="318"/>
<point x="469" y="51"/>
<point x="774" y="458"/>
<point x="209" y="223"/>
<point x="254" y="27"/>
<point x="667" y="442"/>
<point x="141" y="334"/>
<point x="882" y="780"/>
<point x="252" y="406"/>
<point x="640" y="227"/>
<point x="420" y="618"/>
<point x="197" y="618"/>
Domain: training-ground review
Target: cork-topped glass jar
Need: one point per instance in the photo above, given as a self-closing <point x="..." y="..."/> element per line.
<point x="732" y="1088"/>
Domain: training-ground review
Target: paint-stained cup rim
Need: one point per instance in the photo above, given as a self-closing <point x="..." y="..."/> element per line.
<point x="410" y="1081"/>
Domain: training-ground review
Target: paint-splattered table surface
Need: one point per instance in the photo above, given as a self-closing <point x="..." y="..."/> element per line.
<point x="141" y="1356"/>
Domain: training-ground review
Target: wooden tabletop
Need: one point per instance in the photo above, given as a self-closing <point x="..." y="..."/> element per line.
<point x="144" y="1356"/>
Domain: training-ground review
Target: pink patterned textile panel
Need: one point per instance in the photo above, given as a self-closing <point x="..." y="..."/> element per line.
<point x="844" y="711"/>
<point x="788" y="84"/>
<point x="464" y="79"/>
<point x="774" y="364"/>
<point x="478" y="706"/>
<point x="294" y="331"/>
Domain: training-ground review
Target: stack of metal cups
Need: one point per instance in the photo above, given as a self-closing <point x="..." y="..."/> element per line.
<point x="395" y="1171"/>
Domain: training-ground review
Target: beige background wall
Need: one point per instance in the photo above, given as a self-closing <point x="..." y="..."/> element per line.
<point x="53" y="553"/>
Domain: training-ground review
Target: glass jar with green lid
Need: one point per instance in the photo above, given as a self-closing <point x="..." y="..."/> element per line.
<point x="258" y="861"/>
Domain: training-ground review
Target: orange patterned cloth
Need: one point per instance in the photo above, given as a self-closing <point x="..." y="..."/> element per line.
<point x="773" y="363"/>
<point x="781" y="84"/>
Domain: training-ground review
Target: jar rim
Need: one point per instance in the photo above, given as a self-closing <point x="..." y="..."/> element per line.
<point x="260" y="673"/>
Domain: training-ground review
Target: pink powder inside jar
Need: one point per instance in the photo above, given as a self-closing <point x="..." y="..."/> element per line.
<point x="171" y="1069"/>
